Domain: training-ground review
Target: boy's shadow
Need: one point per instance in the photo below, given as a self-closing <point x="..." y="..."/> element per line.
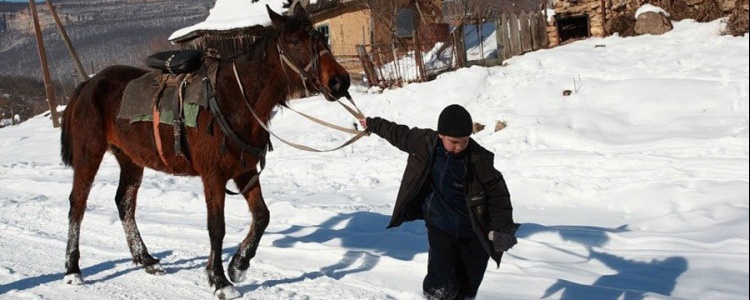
<point x="632" y="280"/>
<point x="365" y="238"/>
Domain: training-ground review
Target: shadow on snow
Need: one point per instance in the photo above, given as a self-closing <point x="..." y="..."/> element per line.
<point x="632" y="280"/>
<point x="366" y="240"/>
<point x="31" y="282"/>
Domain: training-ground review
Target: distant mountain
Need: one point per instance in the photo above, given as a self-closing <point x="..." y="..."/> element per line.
<point x="104" y="32"/>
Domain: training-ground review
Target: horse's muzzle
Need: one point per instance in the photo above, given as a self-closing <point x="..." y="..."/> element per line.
<point x="339" y="86"/>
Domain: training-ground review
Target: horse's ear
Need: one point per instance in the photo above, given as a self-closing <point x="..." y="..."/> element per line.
<point x="299" y="10"/>
<point x="276" y="19"/>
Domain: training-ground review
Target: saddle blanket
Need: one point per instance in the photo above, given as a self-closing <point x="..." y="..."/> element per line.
<point x="138" y="98"/>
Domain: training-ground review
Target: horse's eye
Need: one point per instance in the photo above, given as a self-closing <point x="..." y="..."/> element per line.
<point x="296" y="42"/>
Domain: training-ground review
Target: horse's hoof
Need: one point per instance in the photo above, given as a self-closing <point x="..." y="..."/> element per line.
<point x="155" y="269"/>
<point x="73" y="279"/>
<point x="236" y="275"/>
<point x="227" y="292"/>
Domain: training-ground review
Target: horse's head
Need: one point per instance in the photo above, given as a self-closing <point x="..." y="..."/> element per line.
<point x="305" y="55"/>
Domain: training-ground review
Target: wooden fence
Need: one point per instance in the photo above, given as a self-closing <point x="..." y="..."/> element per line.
<point x="385" y="66"/>
<point x="516" y="34"/>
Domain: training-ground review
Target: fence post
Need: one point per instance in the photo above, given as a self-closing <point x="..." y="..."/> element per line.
<point x="418" y="59"/>
<point x="459" y="43"/>
<point x="372" y="78"/>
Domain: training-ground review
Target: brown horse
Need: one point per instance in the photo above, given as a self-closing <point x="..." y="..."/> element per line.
<point x="291" y="57"/>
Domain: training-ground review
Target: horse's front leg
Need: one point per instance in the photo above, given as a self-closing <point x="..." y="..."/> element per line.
<point x="241" y="260"/>
<point x="214" y="190"/>
<point x="127" y="193"/>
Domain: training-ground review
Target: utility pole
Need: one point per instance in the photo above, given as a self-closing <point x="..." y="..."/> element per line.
<point x="51" y="100"/>
<point x="66" y="39"/>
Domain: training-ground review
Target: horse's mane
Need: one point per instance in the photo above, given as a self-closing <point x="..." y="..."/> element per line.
<point x="257" y="49"/>
<point x="257" y="52"/>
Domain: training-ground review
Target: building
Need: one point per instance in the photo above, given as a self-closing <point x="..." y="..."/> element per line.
<point x="232" y="25"/>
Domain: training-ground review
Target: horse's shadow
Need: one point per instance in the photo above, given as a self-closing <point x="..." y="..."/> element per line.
<point x="364" y="236"/>
<point x="632" y="280"/>
<point x="32" y="282"/>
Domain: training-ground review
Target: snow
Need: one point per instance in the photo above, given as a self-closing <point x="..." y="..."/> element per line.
<point x="232" y="14"/>
<point x="650" y="8"/>
<point x="633" y="187"/>
<point x="481" y="43"/>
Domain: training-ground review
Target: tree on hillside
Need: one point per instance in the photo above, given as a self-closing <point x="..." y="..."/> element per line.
<point x="23" y="96"/>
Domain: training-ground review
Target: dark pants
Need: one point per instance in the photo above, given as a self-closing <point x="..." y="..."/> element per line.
<point x="455" y="266"/>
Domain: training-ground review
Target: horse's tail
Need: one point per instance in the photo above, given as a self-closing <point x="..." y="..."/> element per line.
<point x="66" y="152"/>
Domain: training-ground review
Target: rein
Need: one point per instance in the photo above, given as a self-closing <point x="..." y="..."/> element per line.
<point x="357" y="114"/>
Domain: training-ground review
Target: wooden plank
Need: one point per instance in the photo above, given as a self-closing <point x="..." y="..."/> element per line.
<point x="515" y="35"/>
<point x="534" y="31"/>
<point x="499" y="38"/>
<point x="525" y="29"/>
<point x="508" y="48"/>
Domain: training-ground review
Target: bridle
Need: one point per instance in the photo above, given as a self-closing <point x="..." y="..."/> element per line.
<point x="311" y="72"/>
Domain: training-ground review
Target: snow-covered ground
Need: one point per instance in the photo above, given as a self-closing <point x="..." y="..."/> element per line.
<point x="633" y="187"/>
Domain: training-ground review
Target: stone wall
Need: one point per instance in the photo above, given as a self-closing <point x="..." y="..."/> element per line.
<point x="593" y="8"/>
<point x="606" y="15"/>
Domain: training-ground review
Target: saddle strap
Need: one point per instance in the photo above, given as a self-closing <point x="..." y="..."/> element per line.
<point x="156" y="119"/>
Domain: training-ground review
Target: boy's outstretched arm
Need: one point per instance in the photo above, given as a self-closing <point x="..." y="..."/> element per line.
<point x="400" y="136"/>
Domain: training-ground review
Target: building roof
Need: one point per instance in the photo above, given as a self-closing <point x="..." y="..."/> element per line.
<point x="232" y="14"/>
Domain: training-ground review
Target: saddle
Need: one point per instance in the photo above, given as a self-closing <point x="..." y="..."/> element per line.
<point x="176" y="62"/>
<point x="171" y="95"/>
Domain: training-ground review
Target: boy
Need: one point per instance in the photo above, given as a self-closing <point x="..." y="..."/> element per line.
<point x="451" y="183"/>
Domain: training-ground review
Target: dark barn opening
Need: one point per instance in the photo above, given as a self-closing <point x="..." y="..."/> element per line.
<point x="572" y="27"/>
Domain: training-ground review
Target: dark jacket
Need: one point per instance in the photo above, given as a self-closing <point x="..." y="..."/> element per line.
<point x="487" y="196"/>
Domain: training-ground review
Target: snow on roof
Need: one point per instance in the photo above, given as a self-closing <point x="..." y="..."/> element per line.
<point x="232" y="14"/>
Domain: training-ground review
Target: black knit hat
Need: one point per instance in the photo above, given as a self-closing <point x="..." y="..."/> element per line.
<point x="455" y="121"/>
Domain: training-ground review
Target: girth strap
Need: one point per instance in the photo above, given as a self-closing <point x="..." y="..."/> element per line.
<point x="244" y="147"/>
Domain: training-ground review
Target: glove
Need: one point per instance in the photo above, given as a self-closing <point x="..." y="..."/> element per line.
<point x="502" y="241"/>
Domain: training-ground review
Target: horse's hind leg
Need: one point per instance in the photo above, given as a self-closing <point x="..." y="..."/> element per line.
<point x="88" y="156"/>
<point x="241" y="260"/>
<point x="127" y="192"/>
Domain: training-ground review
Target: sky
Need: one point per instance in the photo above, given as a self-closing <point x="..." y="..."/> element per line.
<point x="633" y="187"/>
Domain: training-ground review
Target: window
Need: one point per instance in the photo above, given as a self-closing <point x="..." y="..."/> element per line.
<point x="405" y="22"/>
<point x="326" y="31"/>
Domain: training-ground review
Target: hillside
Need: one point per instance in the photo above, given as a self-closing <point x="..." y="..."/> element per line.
<point x="104" y="32"/>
